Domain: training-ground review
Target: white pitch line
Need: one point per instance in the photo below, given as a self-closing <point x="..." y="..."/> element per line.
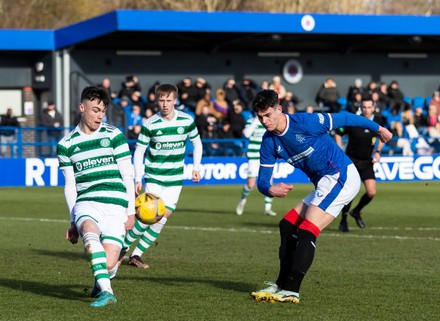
<point x="246" y="230"/>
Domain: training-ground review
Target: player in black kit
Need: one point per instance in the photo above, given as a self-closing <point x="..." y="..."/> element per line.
<point x="360" y="147"/>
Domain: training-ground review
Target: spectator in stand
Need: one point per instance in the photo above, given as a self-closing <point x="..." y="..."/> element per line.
<point x="355" y="89"/>
<point x="289" y="103"/>
<point x="236" y="119"/>
<point x="310" y="109"/>
<point x="52" y="118"/>
<point x="278" y="87"/>
<point x="421" y="121"/>
<point x="220" y="105"/>
<point x="248" y="89"/>
<point x="434" y="122"/>
<point x="206" y="100"/>
<point x="8" y="136"/>
<point x="421" y="145"/>
<point x="395" y="125"/>
<point x="225" y="130"/>
<point x="134" y="117"/>
<point x="372" y="87"/>
<point x="116" y="118"/>
<point x="132" y="136"/>
<point x="435" y="100"/>
<point x="137" y="98"/>
<point x="265" y="85"/>
<point x="130" y="85"/>
<point x="327" y="96"/>
<point x="201" y="87"/>
<point x="203" y="120"/>
<point x="379" y="106"/>
<point x="231" y="91"/>
<point x="151" y="107"/>
<point x="207" y="126"/>
<point x="395" y="95"/>
<point x="228" y="148"/>
<point x="383" y="94"/>
<point x="106" y="85"/>
<point x="187" y="94"/>
<point x="355" y="106"/>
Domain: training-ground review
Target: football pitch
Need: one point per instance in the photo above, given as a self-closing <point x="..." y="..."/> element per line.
<point x="208" y="259"/>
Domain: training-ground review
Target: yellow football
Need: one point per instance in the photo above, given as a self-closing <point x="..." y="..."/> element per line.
<point x="150" y="208"/>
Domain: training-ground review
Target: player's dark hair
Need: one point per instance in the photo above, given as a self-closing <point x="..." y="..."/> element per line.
<point x="166" y="89"/>
<point x="265" y="99"/>
<point x="95" y="93"/>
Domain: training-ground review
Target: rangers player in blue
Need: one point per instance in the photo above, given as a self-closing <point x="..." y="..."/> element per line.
<point x="302" y="140"/>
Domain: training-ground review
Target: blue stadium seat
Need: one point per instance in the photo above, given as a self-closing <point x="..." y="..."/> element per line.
<point x="407" y="99"/>
<point x="343" y="102"/>
<point x="427" y="101"/>
<point x="246" y="114"/>
<point x="418" y="101"/>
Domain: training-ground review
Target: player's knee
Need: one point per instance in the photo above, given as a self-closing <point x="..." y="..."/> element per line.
<point x="371" y="193"/>
<point x="309" y="228"/>
<point x="250" y="186"/>
<point x="286" y="227"/>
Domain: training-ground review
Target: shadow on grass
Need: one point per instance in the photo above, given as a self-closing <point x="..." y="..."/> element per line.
<point x="71" y="256"/>
<point x="55" y="291"/>
<point x="176" y="281"/>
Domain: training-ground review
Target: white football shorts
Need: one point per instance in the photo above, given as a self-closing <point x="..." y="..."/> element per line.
<point x="335" y="191"/>
<point x="169" y="194"/>
<point x="253" y="167"/>
<point x="110" y="219"/>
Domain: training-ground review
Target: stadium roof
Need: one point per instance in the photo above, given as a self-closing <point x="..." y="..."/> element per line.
<point x="144" y="30"/>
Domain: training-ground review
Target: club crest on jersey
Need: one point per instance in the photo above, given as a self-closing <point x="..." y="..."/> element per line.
<point x="300" y="138"/>
<point x="180" y="130"/>
<point x="105" y="142"/>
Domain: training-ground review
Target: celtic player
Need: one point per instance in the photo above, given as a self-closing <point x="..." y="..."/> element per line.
<point x="159" y="158"/>
<point x="96" y="163"/>
<point x="254" y="131"/>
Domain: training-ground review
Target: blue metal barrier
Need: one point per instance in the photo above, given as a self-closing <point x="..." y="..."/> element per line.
<point x="220" y="147"/>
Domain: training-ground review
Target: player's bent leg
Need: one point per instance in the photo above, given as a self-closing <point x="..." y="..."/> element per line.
<point x="132" y="235"/>
<point x="146" y="240"/>
<point x="288" y="240"/>
<point x="98" y="261"/>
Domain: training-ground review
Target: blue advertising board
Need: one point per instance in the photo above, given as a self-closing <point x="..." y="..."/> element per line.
<point x="23" y="172"/>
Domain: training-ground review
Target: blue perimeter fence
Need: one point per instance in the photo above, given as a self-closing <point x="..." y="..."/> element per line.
<point x="38" y="138"/>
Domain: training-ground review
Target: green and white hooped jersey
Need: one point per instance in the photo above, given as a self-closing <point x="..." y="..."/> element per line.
<point x="253" y="150"/>
<point x="93" y="158"/>
<point x="166" y="141"/>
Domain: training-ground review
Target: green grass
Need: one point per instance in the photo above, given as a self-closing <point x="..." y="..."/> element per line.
<point x="208" y="259"/>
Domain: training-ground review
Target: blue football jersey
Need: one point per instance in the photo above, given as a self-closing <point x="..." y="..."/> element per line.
<point x="306" y="145"/>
